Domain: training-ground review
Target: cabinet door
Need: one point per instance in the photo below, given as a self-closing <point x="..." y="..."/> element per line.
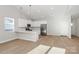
<point x="21" y="23"/>
<point x="35" y="24"/>
<point x="38" y="23"/>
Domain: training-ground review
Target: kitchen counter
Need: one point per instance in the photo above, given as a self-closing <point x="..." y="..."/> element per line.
<point x="28" y="35"/>
<point x="27" y="32"/>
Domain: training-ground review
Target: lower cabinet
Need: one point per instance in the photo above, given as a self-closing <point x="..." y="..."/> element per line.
<point x="31" y="36"/>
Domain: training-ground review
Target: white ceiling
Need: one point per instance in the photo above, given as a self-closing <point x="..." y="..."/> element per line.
<point x="41" y="12"/>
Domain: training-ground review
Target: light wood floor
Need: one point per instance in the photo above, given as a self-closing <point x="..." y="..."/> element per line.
<point x="19" y="46"/>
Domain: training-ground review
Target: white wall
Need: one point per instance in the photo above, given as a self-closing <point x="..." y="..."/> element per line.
<point x="68" y="18"/>
<point x="7" y="11"/>
<point x="59" y="24"/>
<point x="75" y="27"/>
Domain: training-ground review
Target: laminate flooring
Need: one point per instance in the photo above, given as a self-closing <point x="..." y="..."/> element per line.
<point x="19" y="46"/>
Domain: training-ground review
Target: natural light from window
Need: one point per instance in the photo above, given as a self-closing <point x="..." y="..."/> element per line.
<point x="9" y="24"/>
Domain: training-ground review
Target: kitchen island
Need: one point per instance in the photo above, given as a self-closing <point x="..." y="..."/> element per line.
<point x="28" y="35"/>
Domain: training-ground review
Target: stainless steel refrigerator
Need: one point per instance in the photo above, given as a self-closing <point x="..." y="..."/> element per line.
<point x="43" y="29"/>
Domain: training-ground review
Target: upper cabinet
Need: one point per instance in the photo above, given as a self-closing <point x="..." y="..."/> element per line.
<point x="35" y="24"/>
<point x="38" y="23"/>
<point x="22" y="22"/>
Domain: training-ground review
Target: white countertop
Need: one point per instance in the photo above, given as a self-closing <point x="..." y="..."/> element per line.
<point x="27" y="32"/>
<point x="22" y="30"/>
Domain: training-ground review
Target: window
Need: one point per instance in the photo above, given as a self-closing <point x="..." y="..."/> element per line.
<point x="9" y="24"/>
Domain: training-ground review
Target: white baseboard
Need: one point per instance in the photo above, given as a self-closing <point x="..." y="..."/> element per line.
<point x="7" y="40"/>
<point x="28" y="40"/>
<point x="14" y="39"/>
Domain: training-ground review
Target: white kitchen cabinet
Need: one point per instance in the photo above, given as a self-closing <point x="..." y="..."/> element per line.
<point x="28" y="35"/>
<point x="38" y="23"/>
<point x="35" y="24"/>
<point x="22" y="22"/>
